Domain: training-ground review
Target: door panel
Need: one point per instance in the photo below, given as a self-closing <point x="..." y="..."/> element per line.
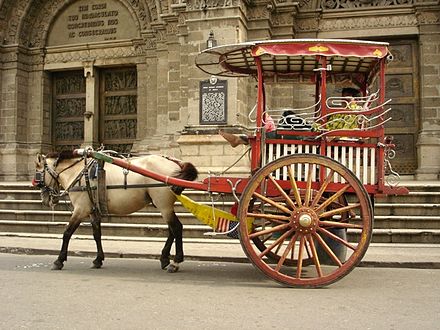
<point x="69" y="104"/>
<point x="118" y="113"/>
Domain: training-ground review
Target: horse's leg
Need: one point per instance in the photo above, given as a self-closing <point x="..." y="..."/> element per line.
<point x="176" y="228"/>
<point x="96" y="225"/>
<point x="165" y="255"/>
<point x="71" y="227"/>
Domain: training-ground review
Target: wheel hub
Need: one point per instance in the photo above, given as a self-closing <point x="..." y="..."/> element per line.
<point x="304" y="220"/>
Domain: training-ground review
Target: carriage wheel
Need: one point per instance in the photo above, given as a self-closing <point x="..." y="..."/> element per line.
<point x="297" y="209"/>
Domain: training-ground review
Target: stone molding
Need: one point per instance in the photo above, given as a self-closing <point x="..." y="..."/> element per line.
<point x="62" y="55"/>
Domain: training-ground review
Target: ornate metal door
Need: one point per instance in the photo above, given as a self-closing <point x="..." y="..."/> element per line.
<point x="402" y="87"/>
<point x="69" y="104"/>
<point x="118" y="109"/>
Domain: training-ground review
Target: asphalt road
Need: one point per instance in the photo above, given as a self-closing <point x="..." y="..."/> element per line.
<point x="137" y="294"/>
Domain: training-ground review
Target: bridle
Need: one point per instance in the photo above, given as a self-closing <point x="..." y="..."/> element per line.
<point x="52" y="189"/>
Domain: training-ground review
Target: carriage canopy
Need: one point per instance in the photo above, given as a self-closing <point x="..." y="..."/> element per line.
<point x="294" y="57"/>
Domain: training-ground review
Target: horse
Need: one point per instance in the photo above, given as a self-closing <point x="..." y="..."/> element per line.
<point x="67" y="171"/>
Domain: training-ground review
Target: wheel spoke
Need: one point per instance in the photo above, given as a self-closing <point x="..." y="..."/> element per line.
<point x="273" y="203"/>
<point x="323" y="188"/>
<point x="279" y="241"/>
<point x="288" y="200"/>
<point x="300" y="257"/>
<point x="289" y="247"/>
<point x="327" y="249"/>
<point x="338" y="210"/>
<point x="340" y="224"/>
<point x="271" y="217"/>
<point x="269" y="230"/>
<point x="308" y="193"/>
<point x="294" y="186"/>
<point x="336" y="238"/>
<point x="315" y="255"/>
<point x="333" y="198"/>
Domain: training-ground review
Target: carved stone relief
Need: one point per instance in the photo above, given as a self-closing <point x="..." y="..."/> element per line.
<point x="344" y="4"/>
<point x="402" y="56"/>
<point x="368" y="22"/>
<point x="205" y="4"/>
<point x="402" y="115"/>
<point x="399" y="85"/>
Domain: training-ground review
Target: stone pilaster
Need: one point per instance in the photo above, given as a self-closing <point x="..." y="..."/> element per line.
<point x="429" y="137"/>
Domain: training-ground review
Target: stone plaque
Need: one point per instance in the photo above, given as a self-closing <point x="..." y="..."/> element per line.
<point x="213" y="101"/>
<point x="92" y="20"/>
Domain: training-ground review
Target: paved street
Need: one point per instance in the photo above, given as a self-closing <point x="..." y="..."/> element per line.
<point x="137" y="294"/>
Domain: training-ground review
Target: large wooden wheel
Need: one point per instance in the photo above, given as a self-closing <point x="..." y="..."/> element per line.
<point x="301" y="219"/>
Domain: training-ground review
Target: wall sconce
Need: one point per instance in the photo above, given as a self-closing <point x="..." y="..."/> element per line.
<point x="88" y="114"/>
<point x="211" y="42"/>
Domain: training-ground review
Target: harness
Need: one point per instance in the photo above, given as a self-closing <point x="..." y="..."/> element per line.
<point x="93" y="170"/>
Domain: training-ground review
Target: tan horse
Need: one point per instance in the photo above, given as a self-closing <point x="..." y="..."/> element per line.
<point x="66" y="171"/>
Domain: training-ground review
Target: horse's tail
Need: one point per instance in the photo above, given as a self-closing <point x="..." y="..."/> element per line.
<point x="187" y="172"/>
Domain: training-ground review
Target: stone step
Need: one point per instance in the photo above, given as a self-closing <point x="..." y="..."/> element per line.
<point x="414" y="197"/>
<point x="380" y="208"/>
<point x="416" y="209"/>
<point x="65" y="205"/>
<point x="154" y="217"/>
<point x="201" y="231"/>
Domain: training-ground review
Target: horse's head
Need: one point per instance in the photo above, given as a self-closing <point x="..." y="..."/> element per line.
<point x="46" y="178"/>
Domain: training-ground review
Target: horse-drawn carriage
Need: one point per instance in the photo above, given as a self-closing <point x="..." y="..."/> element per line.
<point x="305" y="214"/>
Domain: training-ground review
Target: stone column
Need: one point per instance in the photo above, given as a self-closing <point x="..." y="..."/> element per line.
<point x="429" y="137"/>
<point x="91" y="115"/>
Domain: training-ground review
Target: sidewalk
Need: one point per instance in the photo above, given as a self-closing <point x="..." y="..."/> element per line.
<point x="395" y="255"/>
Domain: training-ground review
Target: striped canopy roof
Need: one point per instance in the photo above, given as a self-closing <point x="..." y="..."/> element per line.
<point x="293" y="57"/>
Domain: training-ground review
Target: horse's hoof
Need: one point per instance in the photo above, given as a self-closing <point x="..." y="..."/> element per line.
<point x="164" y="263"/>
<point x="172" y="268"/>
<point x="57" y="265"/>
<point x="96" y="265"/>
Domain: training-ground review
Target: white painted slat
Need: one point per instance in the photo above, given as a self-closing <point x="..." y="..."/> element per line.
<point x="365" y="166"/>
<point x="350" y="158"/>
<point x="358" y="163"/>
<point x="373" y="166"/>
<point x="343" y="160"/>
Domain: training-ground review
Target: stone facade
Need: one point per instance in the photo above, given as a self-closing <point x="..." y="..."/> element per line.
<point x="159" y="40"/>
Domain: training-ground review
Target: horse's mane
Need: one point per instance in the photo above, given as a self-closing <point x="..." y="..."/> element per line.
<point x="64" y="154"/>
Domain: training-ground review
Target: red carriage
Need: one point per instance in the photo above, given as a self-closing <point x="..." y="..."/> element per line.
<point x="305" y="213"/>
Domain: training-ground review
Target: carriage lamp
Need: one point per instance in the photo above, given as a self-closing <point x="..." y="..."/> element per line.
<point x="211" y="41"/>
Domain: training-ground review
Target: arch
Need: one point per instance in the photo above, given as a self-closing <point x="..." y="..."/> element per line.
<point x="34" y="24"/>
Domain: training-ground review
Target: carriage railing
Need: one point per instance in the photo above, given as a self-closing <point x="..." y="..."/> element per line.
<point x="360" y="117"/>
<point x="361" y="159"/>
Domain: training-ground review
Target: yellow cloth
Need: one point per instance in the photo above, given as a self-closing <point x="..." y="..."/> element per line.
<point x="209" y="215"/>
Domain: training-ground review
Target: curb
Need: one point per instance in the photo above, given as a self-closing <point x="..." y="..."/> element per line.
<point x="243" y="260"/>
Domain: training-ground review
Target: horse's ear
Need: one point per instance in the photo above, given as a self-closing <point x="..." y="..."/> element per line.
<point x="39" y="159"/>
